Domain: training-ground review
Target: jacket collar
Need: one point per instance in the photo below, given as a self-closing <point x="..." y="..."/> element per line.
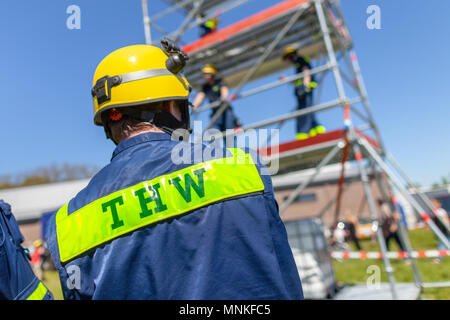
<point x="140" y="138"/>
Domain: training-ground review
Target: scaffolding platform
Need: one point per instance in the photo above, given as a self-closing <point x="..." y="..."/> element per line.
<point x="236" y="48"/>
<point x="304" y="154"/>
<point x="205" y="7"/>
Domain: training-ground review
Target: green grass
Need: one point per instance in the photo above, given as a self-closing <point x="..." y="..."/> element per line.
<point x="51" y="281"/>
<point x="351" y="271"/>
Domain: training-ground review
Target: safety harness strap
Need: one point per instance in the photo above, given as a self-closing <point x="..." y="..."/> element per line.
<point x="149" y="202"/>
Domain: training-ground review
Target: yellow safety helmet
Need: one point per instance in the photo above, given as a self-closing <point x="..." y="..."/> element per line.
<point x="287" y="51"/>
<point x="139" y="74"/>
<point x="37" y="243"/>
<point x="209" y="68"/>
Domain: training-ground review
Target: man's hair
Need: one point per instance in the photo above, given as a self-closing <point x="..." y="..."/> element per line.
<point x="127" y="125"/>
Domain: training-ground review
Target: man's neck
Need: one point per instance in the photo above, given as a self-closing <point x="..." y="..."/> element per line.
<point x="144" y="130"/>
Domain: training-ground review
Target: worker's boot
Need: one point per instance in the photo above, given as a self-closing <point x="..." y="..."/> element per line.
<point x="302" y="136"/>
<point x="320" y="129"/>
<point x="312" y="133"/>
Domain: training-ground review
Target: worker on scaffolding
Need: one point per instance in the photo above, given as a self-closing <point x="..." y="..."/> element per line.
<point x="149" y="226"/>
<point x="216" y="91"/>
<point x="307" y="125"/>
<point x="207" y="26"/>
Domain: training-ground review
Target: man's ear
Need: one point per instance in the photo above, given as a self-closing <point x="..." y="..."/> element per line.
<point x="167" y="105"/>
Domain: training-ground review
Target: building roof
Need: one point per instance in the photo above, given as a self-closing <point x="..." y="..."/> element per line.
<point x="28" y="203"/>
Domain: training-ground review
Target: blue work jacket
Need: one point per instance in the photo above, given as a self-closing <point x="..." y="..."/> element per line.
<point x="17" y="280"/>
<point x="203" y="234"/>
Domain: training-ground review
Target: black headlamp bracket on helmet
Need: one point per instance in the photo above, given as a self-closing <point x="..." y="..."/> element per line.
<point x="102" y="88"/>
<point x="176" y="57"/>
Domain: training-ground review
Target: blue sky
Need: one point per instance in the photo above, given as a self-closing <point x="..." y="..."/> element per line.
<point x="47" y="71"/>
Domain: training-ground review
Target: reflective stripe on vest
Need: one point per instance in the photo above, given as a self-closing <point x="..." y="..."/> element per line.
<point x="151" y="201"/>
<point x="210" y="24"/>
<point x="39" y="293"/>
<point x="299" y="82"/>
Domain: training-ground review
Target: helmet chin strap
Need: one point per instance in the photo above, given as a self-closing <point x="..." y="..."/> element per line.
<point x="163" y="120"/>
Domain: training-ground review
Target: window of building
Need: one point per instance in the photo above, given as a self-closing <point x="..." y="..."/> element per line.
<point x="307" y="197"/>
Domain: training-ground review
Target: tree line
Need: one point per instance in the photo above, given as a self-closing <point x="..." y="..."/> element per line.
<point x="48" y="174"/>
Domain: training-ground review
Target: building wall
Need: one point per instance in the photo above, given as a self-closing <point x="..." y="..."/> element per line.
<point x="31" y="232"/>
<point x="353" y="198"/>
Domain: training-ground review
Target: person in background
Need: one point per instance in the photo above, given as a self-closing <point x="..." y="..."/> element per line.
<point x="338" y="235"/>
<point x="36" y="258"/>
<point x="307" y="125"/>
<point x="209" y="26"/>
<point x="352" y="224"/>
<point x="402" y="215"/>
<point x="389" y="224"/>
<point x="441" y="219"/>
<point x="214" y="89"/>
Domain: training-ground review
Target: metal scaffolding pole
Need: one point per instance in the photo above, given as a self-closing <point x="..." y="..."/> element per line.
<point x="411" y="184"/>
<point x="303" y="185"/>
<point x="148" y="34"/>
<point x="222" y="11"/>
<point x="191" y="15"/>
<point x="170" y="10"/>
<point x="374" y="216"/>
<point x="354" y="68"/>
<point x="291" y="115"/>
<point x="364" y="127"/>
<point x="417" y="207"/>
<point x="330" y="50"/>
<point x="268" y="86"/>
<point x="403" y="232"/>
<point x="365" y="99"/>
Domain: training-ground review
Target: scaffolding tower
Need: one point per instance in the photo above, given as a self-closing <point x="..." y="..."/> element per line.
<point x="250" y="49"/>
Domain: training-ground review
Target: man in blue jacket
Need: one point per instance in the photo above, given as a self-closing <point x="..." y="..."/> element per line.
<point x="156" y="225"/>
<point x="17" y="280"/>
